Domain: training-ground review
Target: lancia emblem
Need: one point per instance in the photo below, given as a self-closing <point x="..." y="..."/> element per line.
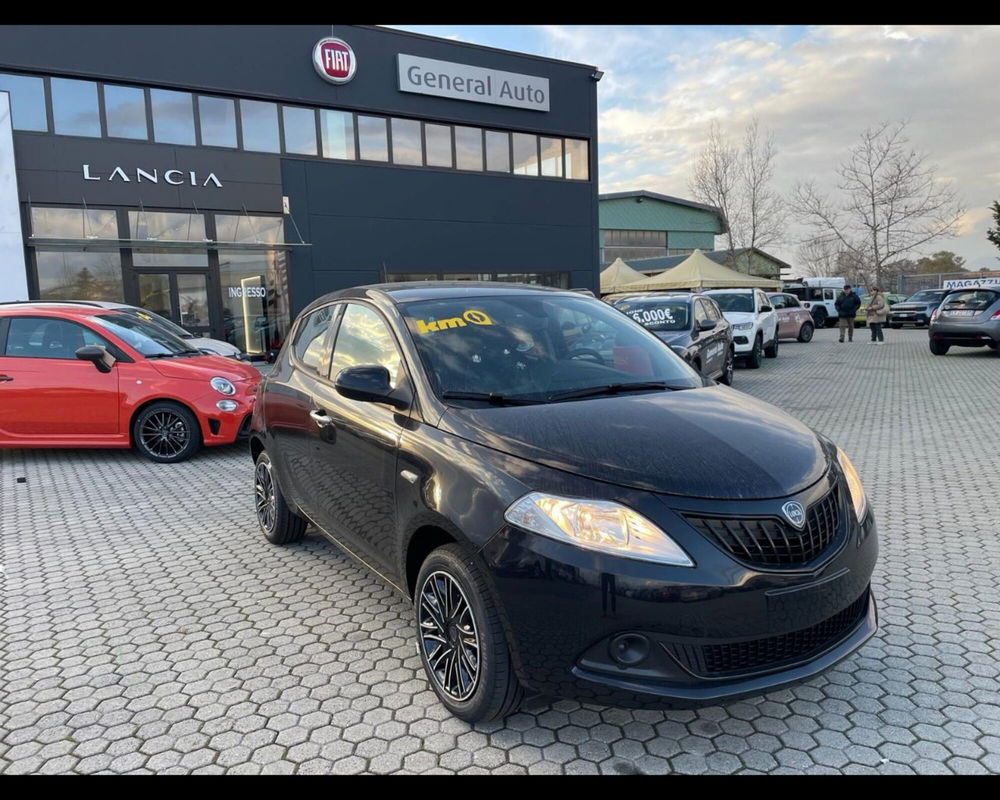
<point x="794" y="513"/>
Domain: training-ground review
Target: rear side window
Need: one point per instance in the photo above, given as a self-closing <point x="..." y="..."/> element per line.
<point x="777" y="301"/>
<point x="312" y="341"/>
<point x="41" y="337"/>
<point x="364" y="340"/>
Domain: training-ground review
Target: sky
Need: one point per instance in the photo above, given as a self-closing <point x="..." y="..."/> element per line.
<point x="815" y="87"/>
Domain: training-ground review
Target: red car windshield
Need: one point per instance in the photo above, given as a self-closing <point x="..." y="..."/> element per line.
<point x="150" y="340"/>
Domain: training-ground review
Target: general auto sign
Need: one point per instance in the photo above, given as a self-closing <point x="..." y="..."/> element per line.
<point x="334" y="60"/>
<point x="477" y="84"/>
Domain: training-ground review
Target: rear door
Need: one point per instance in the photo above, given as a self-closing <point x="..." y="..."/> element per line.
<point x="47" y="394"/>
<point x="710" y="344"/>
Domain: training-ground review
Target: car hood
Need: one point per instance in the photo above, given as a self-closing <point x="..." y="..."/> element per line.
<point x="205" y="368"/>
<point x="682" y="338"/>
<point x="215" y="345"/>
<point x="711" y="442"/>
<point x="736" y="317"/>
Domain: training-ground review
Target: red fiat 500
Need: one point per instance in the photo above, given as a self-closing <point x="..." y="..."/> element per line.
<point x="80" y="376"/>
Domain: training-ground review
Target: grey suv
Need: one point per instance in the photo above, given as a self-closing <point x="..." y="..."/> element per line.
<point x="966" y="318"/>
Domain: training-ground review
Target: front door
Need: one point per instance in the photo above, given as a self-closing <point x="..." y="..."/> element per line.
<point x="183" y="296"/>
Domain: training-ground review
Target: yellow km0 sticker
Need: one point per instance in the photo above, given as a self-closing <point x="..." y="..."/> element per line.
<point x="472" y="315"/>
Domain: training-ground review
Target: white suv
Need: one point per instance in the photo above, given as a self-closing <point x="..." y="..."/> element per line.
<point x="754" y="321"/>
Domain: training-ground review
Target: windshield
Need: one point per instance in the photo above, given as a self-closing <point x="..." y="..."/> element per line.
<point x="149" y="339"/>
<point x="976" y="299"/>
<point x="925" y="297"/>
<point x="657" y="313"/>
<point x="156" y="319"/>
<point x="734" y="301"/>
<point x="535" y="347"/>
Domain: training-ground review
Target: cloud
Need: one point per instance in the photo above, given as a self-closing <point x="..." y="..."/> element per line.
<point x="817" y="88"/>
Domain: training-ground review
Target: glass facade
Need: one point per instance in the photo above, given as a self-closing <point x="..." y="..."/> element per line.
<point x="267" y="127"/>
<point x="559" y="279"/>
<point x="69" y="275"/>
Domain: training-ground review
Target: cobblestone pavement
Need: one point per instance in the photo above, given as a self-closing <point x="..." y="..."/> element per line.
<point x="148" y="627"/>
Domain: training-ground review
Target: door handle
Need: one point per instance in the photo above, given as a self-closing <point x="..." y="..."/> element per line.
<point x="5" y="378"/>
<point x="320" y="418"/>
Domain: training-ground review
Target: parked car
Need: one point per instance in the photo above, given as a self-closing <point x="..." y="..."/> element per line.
<point x="917" y="308"/>
<point x="794" y="320"/>
<point x="692" y="325"/>
<point x="76" y="375"/>
<point x="861" y="317"/>
<point x="621" y="530"/>
<point x="818" y="296"/>
<point x="966" y="318"/>
<point x="204" y="343"/>
<point x="754" y="321"/>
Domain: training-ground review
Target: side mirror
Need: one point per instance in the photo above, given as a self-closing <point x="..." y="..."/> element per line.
<point x="679" y="350"/>
<point x="765" y="309"/>
<point x="369" y="384"/>
<point x="97" y="355"/>
<point x="707" y="325"/>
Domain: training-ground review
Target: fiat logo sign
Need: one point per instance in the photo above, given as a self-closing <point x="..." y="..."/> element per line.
<point x="334" y="60"/>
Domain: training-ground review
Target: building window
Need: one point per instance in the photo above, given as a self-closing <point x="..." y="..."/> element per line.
<point x="469" y="148"/>
<point x="373" y="142"/>
<point x="406" y="147"/>
<point x="577" y="160"/>
<point x="73" y="223"/>
<point x="70" y="275"/>
<point x="27" y="101"/>
<point x="497" y="151"/>
<point x="337" y="128"/>
<point x="437" y="139"/>
<point x="260" y="126"/>
<point x="248" y="229"/>
<point x="552" y="157"/>
<point x="74" y="107"/>
<point x="558" y="279"/>
<point x="125" y="112"/>
<point x="217" y="118"/>
<point x="300" y="130"/>
<point x="525" y="154"/>
<point x="173" y="116"/>
<point x="254" y="299"/>
<point x="167" y="226"/>
<point x="630" y="238"/>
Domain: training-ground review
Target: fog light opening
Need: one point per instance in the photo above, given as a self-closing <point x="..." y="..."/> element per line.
<point x="226" y="405"/>
<point x="629" y="649"/>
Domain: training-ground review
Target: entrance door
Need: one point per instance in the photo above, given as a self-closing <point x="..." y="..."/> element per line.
<point x="179" y="295"/>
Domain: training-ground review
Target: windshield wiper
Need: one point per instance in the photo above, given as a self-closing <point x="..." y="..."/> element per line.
<point x="178" y="353"/>
<point x="610" y="388"/>
<point x="490" y="397"/>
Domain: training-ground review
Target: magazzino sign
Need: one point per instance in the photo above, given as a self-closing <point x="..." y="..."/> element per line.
<point x="477" y="84"/>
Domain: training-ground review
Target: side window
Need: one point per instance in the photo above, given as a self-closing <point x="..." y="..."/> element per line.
<point x="828" y="294"/>
<point x="700" y="312"/>
<point x="364" y="340"/>
<point x="46" y="337"/>
<point x="791" y="302"/>
<point x="777" y="301"/>
<point x="713" y="309"/>
<point x="312" y="340"/>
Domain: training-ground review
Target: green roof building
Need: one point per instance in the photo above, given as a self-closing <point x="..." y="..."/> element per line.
<point x="643" y="224"/>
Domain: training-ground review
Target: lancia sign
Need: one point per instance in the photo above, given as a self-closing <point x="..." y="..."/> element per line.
<point x="334" y="60"/>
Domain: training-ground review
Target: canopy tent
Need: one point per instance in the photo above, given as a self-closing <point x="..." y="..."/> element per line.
<point x="698" y="271"/>
<point x="617" y="276"/>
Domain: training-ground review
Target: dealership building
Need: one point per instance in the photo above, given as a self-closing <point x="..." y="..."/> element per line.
<point x="225" y="176"/>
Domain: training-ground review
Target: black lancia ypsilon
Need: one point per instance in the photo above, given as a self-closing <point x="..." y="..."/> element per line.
<point x="574" y="510"/>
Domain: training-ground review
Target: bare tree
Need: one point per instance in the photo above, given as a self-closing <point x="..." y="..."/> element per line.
<point x="761" y="220"/>
<point x="716" y="178"/>
<point x="817" y="257"/>
<point x="889" y="203"/>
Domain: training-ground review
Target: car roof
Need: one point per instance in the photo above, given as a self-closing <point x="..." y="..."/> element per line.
<point x="406" y="291"/>
<point x="657" y="295"/>
<point x="53" y="308"/>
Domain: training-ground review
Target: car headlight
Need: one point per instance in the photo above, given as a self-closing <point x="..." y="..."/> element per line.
<point x="596" y="525"/>
<point x="857" y="491"/>
<point x="222" y="386"/>
<point x="742" y="326"/>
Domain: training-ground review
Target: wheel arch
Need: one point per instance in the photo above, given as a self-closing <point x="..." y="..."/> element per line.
<point x="147" y="403"/>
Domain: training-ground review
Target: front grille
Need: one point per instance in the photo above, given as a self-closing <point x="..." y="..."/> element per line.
<point x="772" y="542"/>
<point x="761" y="654"/>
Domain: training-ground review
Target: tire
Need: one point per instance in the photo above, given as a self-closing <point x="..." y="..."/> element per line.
<point x="771" y="351"/>
<point x="728" y="368"/>
<point x="756" y="357"/>
<point x="939" y="348"/>
<point x="278" y="523"/>
<point x="166" y="432"/>
<point x="806" y="332"/>
<point x="820" y="317"/>
<point x="493" y="691"/>
<point x="697" y="366"/>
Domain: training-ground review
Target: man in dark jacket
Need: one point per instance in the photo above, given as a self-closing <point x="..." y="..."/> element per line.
<point x="847" y="306"/>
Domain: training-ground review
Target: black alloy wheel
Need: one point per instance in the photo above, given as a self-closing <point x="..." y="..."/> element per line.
<point x="448" y="636"/>
<point x="278" y="523"/>
<point x="756" y="357"/>
<point x="771" y="351"/>
<point x="166" y="432"/>
<point x="728" y="368"/>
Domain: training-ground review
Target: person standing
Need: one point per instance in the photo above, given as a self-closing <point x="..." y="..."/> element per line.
<point x="847" y="306"/>
<point x="878" y="314"/>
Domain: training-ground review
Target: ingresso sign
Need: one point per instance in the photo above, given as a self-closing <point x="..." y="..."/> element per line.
<point x="477" y="84"/>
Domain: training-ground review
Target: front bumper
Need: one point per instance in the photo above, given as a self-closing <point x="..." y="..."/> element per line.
<point x="563" y="606"/>
<point x="225" y="427"/>
<point x="913" y="317"/>
<point x="742" y="342"/>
